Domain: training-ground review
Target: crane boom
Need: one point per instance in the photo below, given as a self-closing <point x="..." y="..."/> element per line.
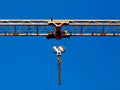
<point x="34" y="27"/>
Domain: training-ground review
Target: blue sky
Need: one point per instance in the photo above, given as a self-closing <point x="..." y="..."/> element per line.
<point x="89" y="63"/>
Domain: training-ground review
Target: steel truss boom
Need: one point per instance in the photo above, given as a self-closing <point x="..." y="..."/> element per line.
<point x="34" y="27"/>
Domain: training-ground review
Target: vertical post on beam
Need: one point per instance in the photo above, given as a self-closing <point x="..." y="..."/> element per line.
<point x="15" y="32"/>
<point x="37" y="30"/>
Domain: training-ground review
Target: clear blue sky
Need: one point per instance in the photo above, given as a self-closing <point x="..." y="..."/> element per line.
<point x="89" y="63"/>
